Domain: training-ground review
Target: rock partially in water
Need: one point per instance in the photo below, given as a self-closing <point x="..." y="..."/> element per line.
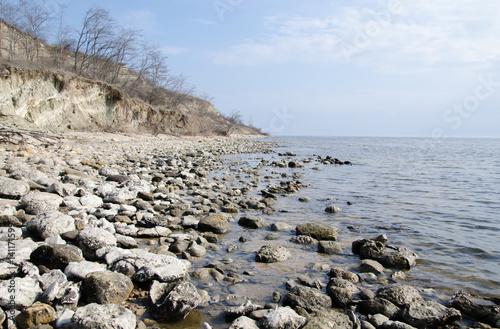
<point x="110" y="316"/>
<point x="242" y="310"/>
<point x="50" y="223"/>
<point x="174" y="301"/>
<point x="377" y="305"/>
<point x="326" y="319"/>
<point x="34" y="315"/>
<point x="310" y="299"/>
<point x="481" y="310"/>
<point x="329" y="247"/>
<point x="429" y="314"/>
<point x="56" y="257"/>
<point x="244" y="322"/>
<point x="341" y="292"/>
<point x="107" y="287"/>
<point x="317" y="231"/>
<point x="272" y="254"/>
<point x="283" y="317"/>
<point x="336" y="272"/>
<point x="332" y="209"/>
<point x="252" y="222"/>
<point x="218" y="223"/>
<point x="399" y="295"/>
<point x="402" y="258"/>
<point x="371" y="266"/>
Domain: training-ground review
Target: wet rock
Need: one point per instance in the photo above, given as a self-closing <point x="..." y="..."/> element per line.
<point x="304" y="239"/>
<point x="371" y="266"/>
<point x="196" y="250"/>
<point x="272" y="254"/>
<point x="81" y="269"/>
<point x="283" y="317"/>
<point x="94" y="316"/>
<point x="329" y="247"/>
<point x="26" y="292"/>
<point x="244" y="322"/>
<point x="242" y="310"/>
<point x="92" y="239"/>
<point x="36" y="314"/>
<point x="481" y="310"/>
<point x="281" y="227"/>
<point x="429" y="314"/>
<point x="332" y="209"/>
<point x="252" y="222"/>
<point x="399" y="295"/>
<point x="310" y="299"/>
<point x="377" y="305"/>
<point x="402" y="258"/>
<point x="174" y="301"/>
<point x="41" y="202"/>
<point x="317" y="231"/>
<point x="341" y="292"/>
<point x="56" y="257"/>
<point x="107" y="287"/>
<point x="218" y="223"/>
<point x="13" y="188"/>
<point x="50" y="223"/>
<point x="336" y="272"/>
<point x="326" y="319"/>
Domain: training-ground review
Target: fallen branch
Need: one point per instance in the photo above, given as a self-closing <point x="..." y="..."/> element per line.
<point x="20" y="136"/>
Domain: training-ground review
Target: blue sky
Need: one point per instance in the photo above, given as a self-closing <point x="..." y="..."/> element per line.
<point x="333" y="68"/>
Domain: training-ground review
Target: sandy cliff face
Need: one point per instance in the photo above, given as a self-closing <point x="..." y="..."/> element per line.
<point x="46" y="100"/>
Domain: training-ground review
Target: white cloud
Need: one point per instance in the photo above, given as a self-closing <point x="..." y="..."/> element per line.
<point x="412" y="33"/>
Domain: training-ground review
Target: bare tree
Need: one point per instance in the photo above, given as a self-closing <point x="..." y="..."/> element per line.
<point x="34" y="25"/>
<point x="64" y="40"/>
<point x="10" y="18"/>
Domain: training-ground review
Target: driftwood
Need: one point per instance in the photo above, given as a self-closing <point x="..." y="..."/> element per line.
<point x="20" y="136"/>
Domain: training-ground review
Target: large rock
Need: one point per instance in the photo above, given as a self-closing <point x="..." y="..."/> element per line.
<point x="143" y="266"/>
<point x="429" y="314"/>
<point x="80" y="270"/>
<point x="41" y="202"/>
<point x="17" y="250"/>
<point x="399" y="295"/>
<point x="283" y="317"/>
<point x="341" y="292"/>
<point x="174" y="301"/>
<point x="244" y="322"/>
<point x="252" y="222"/>
<point x="36" y="314"/>
<point x="19" y="292"/>
<point x="272" y="254"/>
<point x="326" y="319"/>
<point x="13" y="188"/>
<point x="108" y="316"/>
<point x="484" y="311"/>
<point x="120" y="195"/>
<point x="311" y="299"/>
<point x="92" y="239"/>
<point x="56" y="257"/>
<point x="317" y="231"/>
<point x="51" y="223"/>
<point x="377" y="306"/>
<point x="336" y="272"/>
<point x="402" y="258"/>
<point x="107" y="287"/>
<point x="217" y="223"/>
<point x="91" y="200"/>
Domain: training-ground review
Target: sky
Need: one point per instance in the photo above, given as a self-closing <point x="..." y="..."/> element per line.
<point x="426" y="68"/>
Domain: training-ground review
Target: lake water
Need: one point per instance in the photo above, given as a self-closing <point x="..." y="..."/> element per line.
<point x="437" y="197"/>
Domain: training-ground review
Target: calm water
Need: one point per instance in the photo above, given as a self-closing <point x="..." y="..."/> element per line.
<point x="441" y="197"/>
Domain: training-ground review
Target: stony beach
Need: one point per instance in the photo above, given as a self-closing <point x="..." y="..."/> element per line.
<point x="131" y="231"/>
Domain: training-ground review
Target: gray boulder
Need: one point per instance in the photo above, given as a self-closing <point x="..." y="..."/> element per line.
<point x="336" y="272"/>
<point x="403" y="258"/>
<point x="429" y="314"/>
<point x="13" y="188"/>
<point x="108" y="316"/>
<point x="317" y="231"/>
<point x="377" y="306"/>
<point x="310" y="299"/>
<point x="399" y="295"/>
<point x="341" y="292"/>
<point x="174" y="301"/>
<point x="481" y="310"/>
<point x="107" y="287"/>
<point x="26" y="291"/>
<point x="92" y="239"/>
<point x="218" y="223"/>
<point x="329" y="247"/>
<point x="283" y="317"/>
<point x="56" y="257"/>
<point x="244" y="322"/>
<point x="326" y="319"/>
<point x="250" y="221"/>
<point x="50" y="223"/>
<point x="331" y="209"/>
<point x="41" y="202"/>
<point x="81" y="269"/>
<point x="272" y="254"/>
<point x="371" y="266"/>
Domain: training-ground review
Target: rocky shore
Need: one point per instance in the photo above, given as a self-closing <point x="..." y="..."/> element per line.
<point x="115" y="231"/>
